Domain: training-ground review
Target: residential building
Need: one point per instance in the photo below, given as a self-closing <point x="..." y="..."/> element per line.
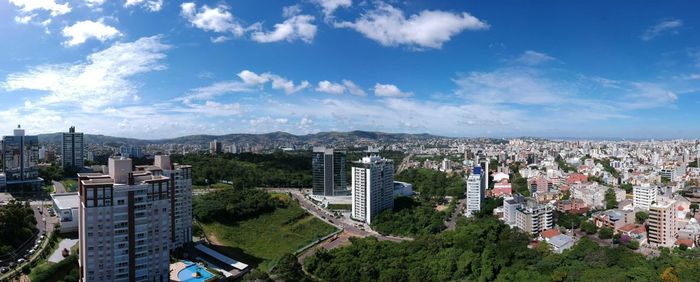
<point x="72" y="150"/>
<point x="560" y="243"/>
<point x="329" y="172"/>
<point x="615" y="219"/>
<point x="661" y="224"/>
<point x="510" y="208"/>
<point x="20" y="157"/>
<point x="129" y="220"/>
<point x="131" y="151"/>
<point x="475" y="192"/>
<point x="644" y="195"/>
<point x="66" y="207"/>
<point x="446" y="165"/>
<point x="533" y="217"/>
<point x="372" y="187"/>
<point x="215" y="147"/>
<point x="502" y="189"/>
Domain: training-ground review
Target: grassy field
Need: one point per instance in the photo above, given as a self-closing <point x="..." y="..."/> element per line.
<point x="262" y="240"/>
<point x="71" y="185"/>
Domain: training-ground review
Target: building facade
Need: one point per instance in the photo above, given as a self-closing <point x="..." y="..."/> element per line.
<point x="20" y="157"/>
<point x="128" y="220"/>
<point x="475" y="192"/>
<point x="533" y="217"/>
<point x="329" y="172"/>
<point x="661" y="224"/>
<point x="372" y="187"/>
<point x="644" y="195"/>
<point x="73" y="150"/>
<point x="215" y="147"/>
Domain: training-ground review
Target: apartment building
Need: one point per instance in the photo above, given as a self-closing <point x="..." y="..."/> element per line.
<point x="475" y="192"/>
<point x="131" y="219"/>
<point x="644" y="195"/>
<point x="372" y="187"/>
<point x="72" y="150"/>
<point x="328" y="171"/>
<point x="661" y="225"/>
<point x="533" y="217"/>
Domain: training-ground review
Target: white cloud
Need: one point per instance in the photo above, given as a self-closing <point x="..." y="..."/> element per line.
<point x="427" y="29"/>
<point x="81" y="31"/>
<point x="298" y="27"/>
<point x="330" y="87"/>
<point x="291" y="11"/>
<point x="278" y="82"/>
<point x="216" y="19"/>
<point x="353" y="88"/>
<point x="662" y="27"/>
<point x="151" y="5"/>
<point x="104" y="78"/>
<point x="94" y="3"/>
<point x="28" y="6"/>
<point x="526" y="86"/>
<point x="24" y="19"/>
<point x="530" y="57"/>
<point x="329" y="6"/>
<point x="216" y="89"/>
<point x="212" y="108"/>
<point x="389" y="90"/>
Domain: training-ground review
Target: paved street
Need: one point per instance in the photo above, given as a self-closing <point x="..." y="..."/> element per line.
<point x="59" y="187"/>
<point x="452" y="222"/>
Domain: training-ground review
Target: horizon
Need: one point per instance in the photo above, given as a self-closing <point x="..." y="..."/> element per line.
<point x="546" y="69"/>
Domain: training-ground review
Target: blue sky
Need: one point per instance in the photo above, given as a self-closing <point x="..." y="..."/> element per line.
<point x="159" y="68"/>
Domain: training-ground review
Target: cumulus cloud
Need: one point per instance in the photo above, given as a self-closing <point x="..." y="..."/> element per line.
<point x="326" y="86"/>
<point x="389" y="90"/>
<point x="298" y="27"/>
<point x="530" y="57"/>
<point x="29" y="6"/>
<point x="104" y="78"/>
<point x="24" y="19"/>
<point x="277" y="82"/>
<point x="81" y="31"/>
<point x="216" y="19"/>
<point x="667" y="26"/>
<point x="329" y="6"/>
<point x="427" y="29"/>
<point x="94" y="3"/>
<point x="353" y="88"/>
<point x="151" y="5"/>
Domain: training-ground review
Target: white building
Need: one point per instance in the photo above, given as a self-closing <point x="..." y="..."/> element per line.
<point x="66" y="207"/>
<point x="372" y="187"/>
<point x="661" y="225"/>
<point x="644" y="196"/>
<point x="510" y="208"/>
<point x="127" y="223"/>
<point x="446" y="165"/>
<point x="475" y="192"/>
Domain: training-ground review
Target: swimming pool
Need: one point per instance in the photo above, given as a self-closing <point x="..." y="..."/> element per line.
<point x="186" y="275"/>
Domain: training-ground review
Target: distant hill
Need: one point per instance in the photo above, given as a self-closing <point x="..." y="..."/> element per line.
<point x="352" y="137"/>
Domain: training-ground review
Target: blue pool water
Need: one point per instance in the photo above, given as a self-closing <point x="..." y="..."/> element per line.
<point x="185" y="275"/>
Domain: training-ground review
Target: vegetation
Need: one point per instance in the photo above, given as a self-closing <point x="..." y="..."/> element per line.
<point x="17" y="225"/>
<point x="641" y="217"/>
<point x="50" y="173"/>
<point x="409" y="218"/>
<point x="247" y="170"/>
<point x="563" y="165"/>
<point x="232" y="205"/>
<point x="288" y="268"/>
<point x="340" y="206"/>
<point x="49" y="271"/>
<point x="605" y="233"/>
<point x="610" y="200"/>
<point x="71" y="185"/>
<point x="262" y="240"/>
<point x="483" y="249"/>
<point x="568" y="220"/>
<point x="589" y="227"/>
<point x="627" y="187"/>
<point x="433" y="184"/>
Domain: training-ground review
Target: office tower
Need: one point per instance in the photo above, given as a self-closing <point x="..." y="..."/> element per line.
<point x="214" y="147"/>
<point x="72" y="149"/>
<point x="533" y="217"/>
<point x="129" y="220"/>
<point x="372" y="187"/>
<point x="131" y="151"/>
<point x="661" y="224"/>
<point x="644" y="195"/>
<point x="475" y="191"/>
<point x="20" y="157"/>
<point x="181" y="201"/>
<point x="328" y="168"/>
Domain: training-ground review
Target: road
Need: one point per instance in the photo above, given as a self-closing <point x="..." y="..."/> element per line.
<point x="403" y="164"/>
<point x="59" y="187"/>
<point x="452" y="222"/>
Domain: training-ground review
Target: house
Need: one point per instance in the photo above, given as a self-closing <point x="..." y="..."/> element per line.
<point x="560" y="243"/>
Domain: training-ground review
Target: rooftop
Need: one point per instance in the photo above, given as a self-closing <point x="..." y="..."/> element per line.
<point x="66" y="201"/>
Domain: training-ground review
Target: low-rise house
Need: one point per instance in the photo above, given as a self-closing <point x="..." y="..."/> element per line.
<point x="560" y="243"/>
<point x="614" y="219"/>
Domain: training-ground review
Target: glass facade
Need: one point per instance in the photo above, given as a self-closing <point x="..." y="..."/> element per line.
<point x="20" y="157"/>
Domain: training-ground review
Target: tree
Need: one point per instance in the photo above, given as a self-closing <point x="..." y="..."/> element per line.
<point x="641" y="217"/>
<point x="589" y="227"/>
<point x="634" y="244"/>
<point x="669" y="275"/>
<point x="610" y="200"/>
<point x="289" y="269"/>
<point x="605" y="233"/>
<point x="694" y="207"/>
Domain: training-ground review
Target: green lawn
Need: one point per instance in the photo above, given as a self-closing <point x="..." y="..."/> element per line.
<point x="265" y="239"/>
<point x="71" y="185"/>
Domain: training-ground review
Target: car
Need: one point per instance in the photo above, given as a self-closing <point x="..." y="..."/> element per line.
<point x="20" y="261"/>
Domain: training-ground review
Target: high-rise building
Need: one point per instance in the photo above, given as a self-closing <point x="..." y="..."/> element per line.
<point x="215" y="147"/>
<point x="131" y="151"/>
<point x="20" y="157"/>
<point x="661" y="225"/>
<point x="372" y="187"/>
<point x="446" y="165"/>
<point x="329" y="172"/>
<point x="73" y="150"/>
<point x="644" y="196"/>
<point x="533" y="217"/>
<point x="130" y="220"/>
<point x="475" y="191"/>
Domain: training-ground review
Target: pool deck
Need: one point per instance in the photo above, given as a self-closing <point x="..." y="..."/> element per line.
<point x="175" y="268"/>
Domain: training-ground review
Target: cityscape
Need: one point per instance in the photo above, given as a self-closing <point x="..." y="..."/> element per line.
<point x="340" y="140"/>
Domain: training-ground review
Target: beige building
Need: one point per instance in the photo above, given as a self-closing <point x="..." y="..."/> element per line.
<point x="662" y="231"/>
<point x="533" y="217"/>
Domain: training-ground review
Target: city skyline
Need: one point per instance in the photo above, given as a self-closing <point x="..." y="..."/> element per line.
<point x="154" y="69"/>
